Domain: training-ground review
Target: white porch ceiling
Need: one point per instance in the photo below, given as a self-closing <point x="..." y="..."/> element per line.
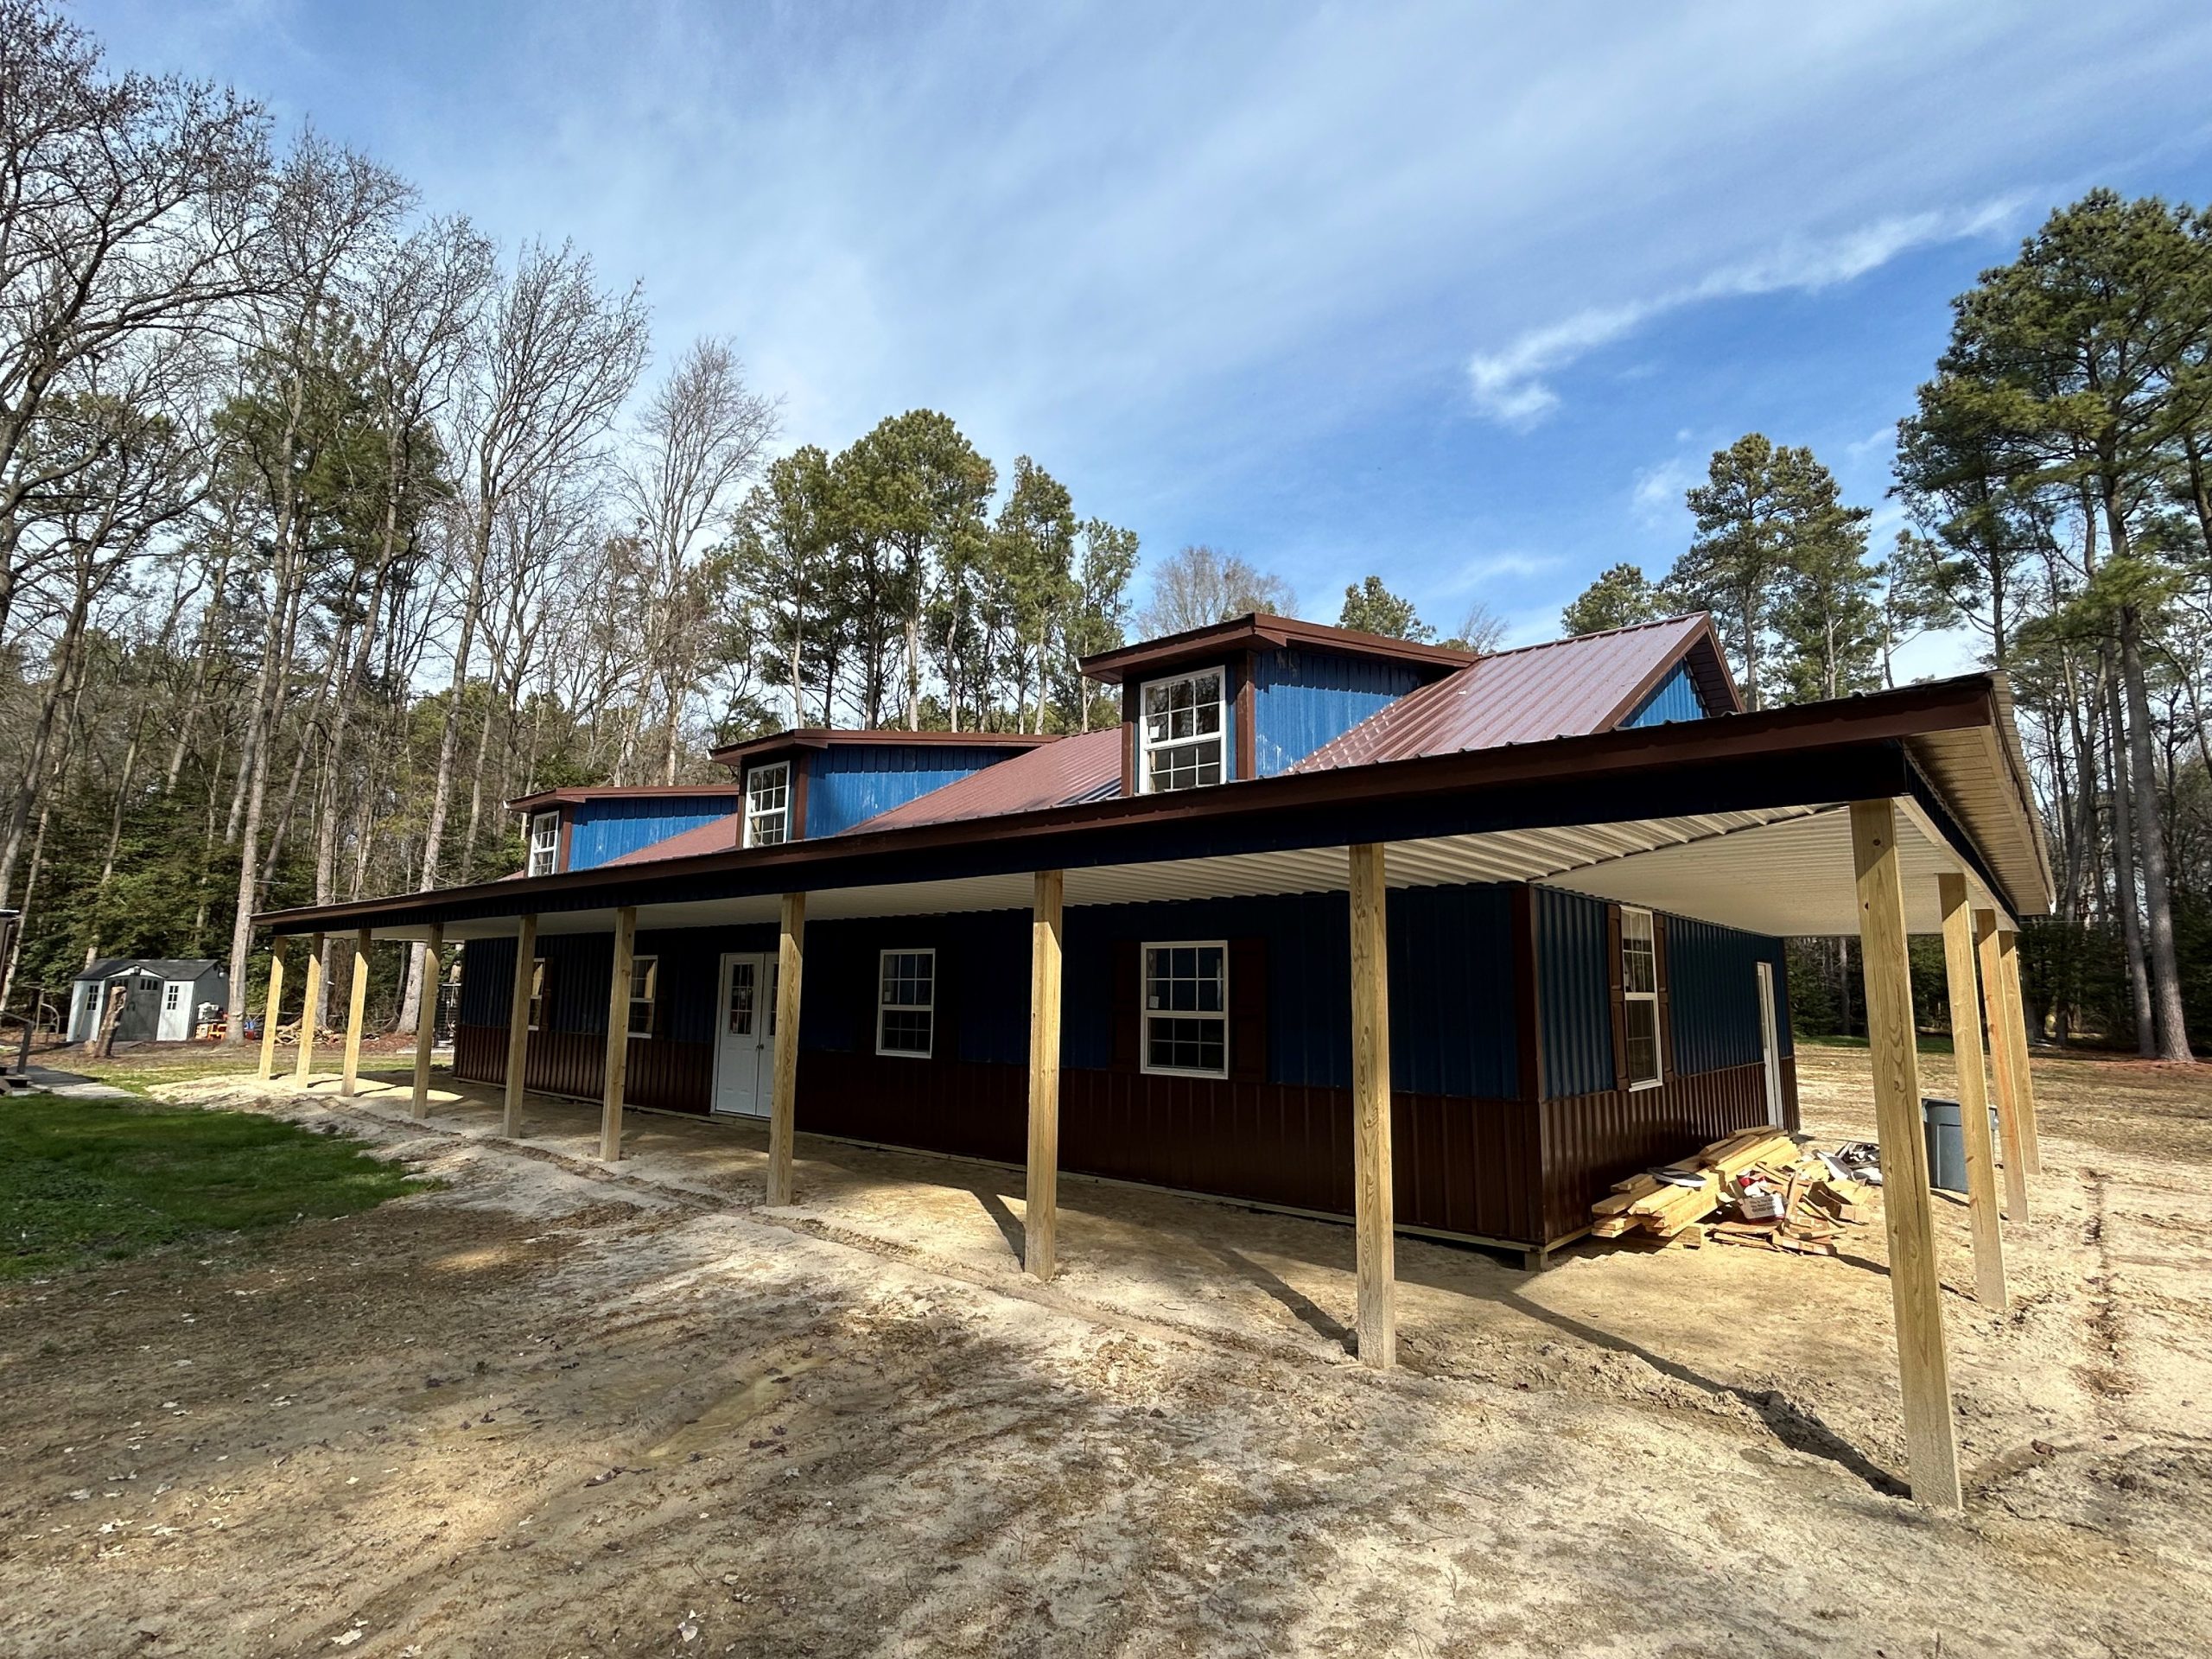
<point x="1783" y="871"/>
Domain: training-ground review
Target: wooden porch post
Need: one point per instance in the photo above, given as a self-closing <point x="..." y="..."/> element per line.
<point x="2016" y="1030"/>
<point x="1040" y="1216"/>
<point x="426" y="1017"/>
<point x="357" y="1002"/>
<point x="783" y="1120"/>
<point x="277" y="947"/>
<point x="1374" y="1242"/>
<point x="1915" y="1293"/>
<point x="310" y="994"/>
<point x="1974" y="1096"/>
<point x="517" y="1025"/>
<point x="617" y="1034"/>
<point x="2000" y="1062"/>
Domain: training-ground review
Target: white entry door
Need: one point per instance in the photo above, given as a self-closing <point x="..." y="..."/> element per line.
<point x="1770" y="1043"/>
<point x="745" y="1054"/>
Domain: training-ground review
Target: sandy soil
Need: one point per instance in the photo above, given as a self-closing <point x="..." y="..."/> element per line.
<point x="557" y="1410"/>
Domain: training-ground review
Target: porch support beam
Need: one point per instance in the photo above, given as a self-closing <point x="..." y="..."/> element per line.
<point x="275" y="1001"/>
<point x="1374" y="1242"/>
<point x="783" y="1119"/>
<point x="518" y="1024"/>
<point x="426" y="1017"/>
<point x="2001" y="1063"/>
<point x="617" y="1034"/>
<point x="2016" y="1030"/>
<point x="310" y="995"/>
<point x="1041" y="1214"/>
<point x="1915" y="1293"/>
<point x="1974" y="1090"/>
<point x="357" y="1003"/>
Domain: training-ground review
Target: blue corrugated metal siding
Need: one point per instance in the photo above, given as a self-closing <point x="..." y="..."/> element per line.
<point x="850" y="782"/>
<point x="605" y="830"/>
<point x="1675" y="698"/>
<point x="1712" y="995"/>
<point x="1302" y="699"/>
<point x="1573" y="994"/>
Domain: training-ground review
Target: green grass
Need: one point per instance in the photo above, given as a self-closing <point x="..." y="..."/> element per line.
<point x="1924" y="1043"/>
<point x="83" y="1181"/>
<point x="125" y="1071"/>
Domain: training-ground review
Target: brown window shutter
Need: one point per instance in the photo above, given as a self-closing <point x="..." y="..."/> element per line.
<point x="1666" y="1007"/>
<point x="1619" y="1003"/>
<point x="1127" y="1000"/>
<point x="1248" y="1010"/>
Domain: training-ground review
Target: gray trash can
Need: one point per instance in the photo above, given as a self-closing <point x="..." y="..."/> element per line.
<point x="1947" y="1143"/>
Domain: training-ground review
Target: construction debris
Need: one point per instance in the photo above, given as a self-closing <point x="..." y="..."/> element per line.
<point x="1756" y="1188"/>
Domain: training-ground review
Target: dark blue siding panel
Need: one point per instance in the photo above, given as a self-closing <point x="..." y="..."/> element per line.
<point x="983" y="978"/>
<point x="1573" y="993"/>
<point x="605" y="830"/>
<point x="1712" y="994"/>
<point x="1713" y="983"/>
<point x="1675" y="698"/>
<point x="851" y="783"/>
<point x="1451" y="994"/>
<point x="487" y="978"/>
<point x="1302" y="699"/>
<point x="578" y="965"/>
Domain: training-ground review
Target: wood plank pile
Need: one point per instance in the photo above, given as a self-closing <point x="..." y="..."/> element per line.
<point x="1756" y="1189"/>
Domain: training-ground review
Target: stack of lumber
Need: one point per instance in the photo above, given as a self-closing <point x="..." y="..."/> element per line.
<point x="1754" y="1188"/>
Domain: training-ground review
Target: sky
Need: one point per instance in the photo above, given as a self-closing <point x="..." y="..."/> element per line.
<point x="1463" y="295"/>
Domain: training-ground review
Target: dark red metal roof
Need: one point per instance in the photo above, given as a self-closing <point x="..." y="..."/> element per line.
<point x="1260" y="631"/>
<point x="619" y="792"/>
<point x="1087" y="767"/>
<point x="1568" y="688"/>
<point x="718" y="836"/>
<point x="822" y="737"/>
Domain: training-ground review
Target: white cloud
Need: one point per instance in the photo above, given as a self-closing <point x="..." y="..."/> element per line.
<point x="1509" y="384"/>
<point x="1658" y="493"/>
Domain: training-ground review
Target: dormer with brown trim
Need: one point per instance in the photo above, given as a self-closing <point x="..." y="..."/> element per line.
<point x="816" y="781"/>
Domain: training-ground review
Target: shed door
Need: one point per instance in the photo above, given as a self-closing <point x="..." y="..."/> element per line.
<point x="1770" y="1043"/>
<point x="745" y="1058"/>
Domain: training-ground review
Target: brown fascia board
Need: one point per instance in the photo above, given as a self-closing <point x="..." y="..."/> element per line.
<point x="822" y="737"/>
<point x="1259" y="629"/>
<point x="577" y="796"/>
<point x="1873" y="717"/>
<point x="1719" y="692"/>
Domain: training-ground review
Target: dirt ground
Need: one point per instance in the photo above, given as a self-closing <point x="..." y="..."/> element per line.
<point x="554" y="1409"/>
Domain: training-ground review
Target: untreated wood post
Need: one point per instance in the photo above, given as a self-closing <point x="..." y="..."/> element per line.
<point x="519" y="1025"/>
<point x="1374" y="1242"/>
<point x="426" y="1017"/>
<point x="2000" y="1062"/>
<point x="1041" y="1214"/>
<point x="782" y="1121"/>
<point x="617" y="1034"/>
<point x="274" y="1003"/>
<point x="357" y="1003"/>
<point x="1974" y="1090"/>
<point x="310" y="995"/>
<point x="1915" y="1292"/>
<point x="2016" y="1030"/>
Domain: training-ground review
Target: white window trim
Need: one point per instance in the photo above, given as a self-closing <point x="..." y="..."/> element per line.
<point x="651" y="1002"/>
<point x="1220" y="734"/>
<point x="1145" y="1015"/>
<point x="551" y="818"/>
<point x="173" y="996"/>
<point x="1658" y="1039"/>
<point x="783" y="813"/>
<point x="928" y="1007"/>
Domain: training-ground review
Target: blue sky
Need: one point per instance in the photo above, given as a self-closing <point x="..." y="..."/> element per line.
<point x="1464" y="295"/>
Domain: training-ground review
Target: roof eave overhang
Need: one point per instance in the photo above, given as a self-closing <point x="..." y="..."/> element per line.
<point x="1270" y="632"/>
<point x="1855" y="748"/>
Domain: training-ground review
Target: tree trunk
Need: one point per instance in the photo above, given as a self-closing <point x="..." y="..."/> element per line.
<point x="2123" y="863"/>
<point x="2151" y="840"/>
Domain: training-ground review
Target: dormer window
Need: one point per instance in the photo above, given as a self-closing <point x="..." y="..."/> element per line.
<point x="1179" y="732"/>
<point x="768" y="804"/>
<point x="544" y="842"/>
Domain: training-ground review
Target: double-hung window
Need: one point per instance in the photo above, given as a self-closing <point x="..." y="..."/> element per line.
<point x="645" y="986"/>
<point x="544" y="842"/>
<point x="1187" y="1008"/>
<point x="1180" y="732"/>
<point x="768" y="804"/>
<point x="906" y="1010"/>
<point x="1640" y="998"/>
